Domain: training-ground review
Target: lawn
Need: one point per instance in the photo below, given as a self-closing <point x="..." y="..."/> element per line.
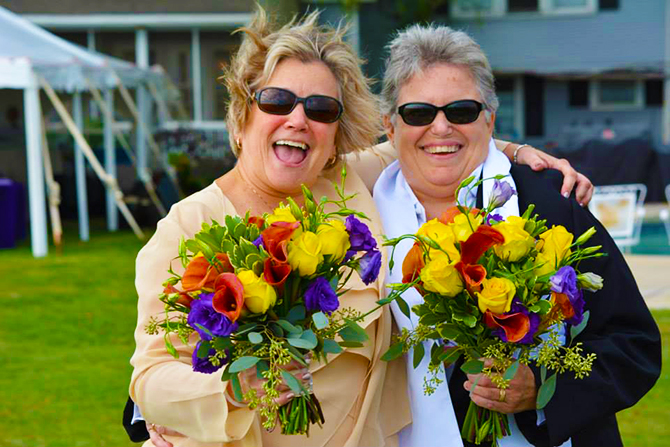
<point x="66" y="336"/>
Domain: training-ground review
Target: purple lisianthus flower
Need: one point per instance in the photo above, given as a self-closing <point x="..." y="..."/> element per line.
<point x="565" y="281"/>
<point x="493" y="218"/>
<point x="202" y="313"/>
<point x="500" y="194"/>
<point x="369" y="265"/>
<point x="320" y="296"/>
<point x="350" y="254"/>
<point x="359" y="235"/>
<point x="203" y="365"/>
<point x="533" y="318"/>
<point x="259" y="242"/>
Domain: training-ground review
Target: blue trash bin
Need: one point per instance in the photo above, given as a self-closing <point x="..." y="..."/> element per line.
<point x="11" y="213"/>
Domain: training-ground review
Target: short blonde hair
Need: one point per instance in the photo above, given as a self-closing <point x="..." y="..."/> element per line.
<point x="263" y="47"/>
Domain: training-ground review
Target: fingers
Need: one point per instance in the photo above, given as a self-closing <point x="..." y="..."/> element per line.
<point x="156" y="435"/>
<point x="520" y="394"/>
<point x="584" y="190"/>
<point x="528" y="155"/>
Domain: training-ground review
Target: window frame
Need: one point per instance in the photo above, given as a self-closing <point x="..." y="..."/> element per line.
<point x="595" y="103"/>
<point x="545" y="8"/>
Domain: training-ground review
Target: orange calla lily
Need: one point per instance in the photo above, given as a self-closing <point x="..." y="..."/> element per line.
<point x="184" y="298"/>
<point x="200" y="274"/>
<point x="515" y="325"/>
<point x="276" y="236"/>
<point x="412" y="264"/>
<point x="228" y="296"/>
<point x="275" y="272"/>
<point x="448" y="216"/>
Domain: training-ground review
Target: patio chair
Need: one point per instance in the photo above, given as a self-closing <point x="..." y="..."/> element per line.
<point x="620" y="208"/>
<point x="665" y="213"/>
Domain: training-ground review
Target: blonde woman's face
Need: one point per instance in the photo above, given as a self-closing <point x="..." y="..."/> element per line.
<point x="281" y="152"/>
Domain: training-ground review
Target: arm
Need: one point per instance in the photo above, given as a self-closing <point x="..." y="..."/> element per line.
<point x="539" y="160"/>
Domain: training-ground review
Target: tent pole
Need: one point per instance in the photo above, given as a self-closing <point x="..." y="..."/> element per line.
<point x="54" y="192"/>
<point x="110" y="163"/>
<point x="109" y="182"/>
<point x="37" y="203"/>
<point x="146" y="180"/>
<point x="149" y="137"/>
<point x="80" y="172"/>
<point x="162" y="106"/>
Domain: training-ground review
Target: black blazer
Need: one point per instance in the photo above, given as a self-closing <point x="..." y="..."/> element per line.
<point x="621" y="331"/>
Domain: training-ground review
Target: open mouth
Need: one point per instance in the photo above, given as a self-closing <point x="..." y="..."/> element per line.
<point x="442" y="149"/>
<point x="291" y="152"/>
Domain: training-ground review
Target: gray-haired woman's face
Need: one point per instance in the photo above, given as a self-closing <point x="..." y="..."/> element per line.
<point x="439" y="155"/>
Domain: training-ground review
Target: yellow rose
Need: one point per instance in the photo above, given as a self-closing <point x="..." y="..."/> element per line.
<point x="440" y="276"/>
<point x="556" y="242"/>
<point x="496" y="295"/>
<point x="517" y="240"/>
<point x="259" y="296"/>
<point x="462" y="229"/>
<point x="334" y="239"/>
<point x="304" y="253"/>
<point x="443" y="235"/>
<point x="281" y="214"/>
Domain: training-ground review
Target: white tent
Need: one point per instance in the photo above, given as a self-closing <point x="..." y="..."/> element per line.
<point x="32" y="58"/>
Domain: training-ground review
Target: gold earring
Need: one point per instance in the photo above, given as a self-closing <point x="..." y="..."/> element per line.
<point x="238" y="142"/>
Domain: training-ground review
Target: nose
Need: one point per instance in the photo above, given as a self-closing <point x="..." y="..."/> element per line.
<point x="441" y="125"/>
<point x="297" y="120"/>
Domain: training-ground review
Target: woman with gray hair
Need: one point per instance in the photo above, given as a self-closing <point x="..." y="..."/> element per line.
<point x="437" y="83"/>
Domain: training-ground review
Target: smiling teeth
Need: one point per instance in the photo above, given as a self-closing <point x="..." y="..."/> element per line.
<point x="441" y="149"/>
<point x="297" y="144"/>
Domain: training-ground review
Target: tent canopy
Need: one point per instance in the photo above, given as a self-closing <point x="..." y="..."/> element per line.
<point x="64" y="65"/>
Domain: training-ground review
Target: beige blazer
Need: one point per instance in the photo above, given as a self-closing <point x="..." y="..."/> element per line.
<point x="364" y="399"/>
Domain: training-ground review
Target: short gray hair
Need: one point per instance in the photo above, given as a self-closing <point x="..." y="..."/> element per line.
<point x="419" y="47"/>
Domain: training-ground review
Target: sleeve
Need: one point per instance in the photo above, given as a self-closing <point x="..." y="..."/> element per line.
<point x="166" y="389"/>
<point x="622" y="333"/>
<point x="370" y="162"/>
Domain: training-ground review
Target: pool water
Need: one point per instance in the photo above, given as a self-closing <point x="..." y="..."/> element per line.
<point x="653" y="240"/>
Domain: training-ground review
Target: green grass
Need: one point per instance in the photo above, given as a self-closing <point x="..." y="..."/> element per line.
<point x="67" y="335"/>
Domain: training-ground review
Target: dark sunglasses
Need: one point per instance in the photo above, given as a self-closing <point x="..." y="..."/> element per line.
<point x="457" y="112"/>
<point x="279" y="101"/>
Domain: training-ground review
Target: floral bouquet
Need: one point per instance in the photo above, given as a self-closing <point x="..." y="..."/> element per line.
<point x="263" y="291"/>
<point x="503" y="289"/>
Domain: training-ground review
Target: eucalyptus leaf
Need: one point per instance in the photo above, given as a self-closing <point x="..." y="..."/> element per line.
<point x="393" y="352"/>
<point x="203" y="350"/>
<point x="288" y="327"/>
<point x="351" y="344"/>
<point x="296" y="313"/>
<point x="292" y="382"/>
<point x="576" y="330"/>
<point x="261" y="367"/>
<point x="255" y="337"/>
<point x="509" y="374"/>
<point x="320" y="320"/>
<point x="473" y="367"/>
<point x="243" y="363"/>
<point x="204" y="329"/>
<point x="221" y="343"/>
<point x="301" y="343"/>
<point x="331" y="347"/>
<point x="237" y="389"/>
<point x="404" y="307"/>
<point x="246" y="328"/>
<point x="276" y="329"/>
<point x="353" y="332"/>
<point x="546" y="392"/>
<point x="418" y="354"/>
<point x="310" y="337"/>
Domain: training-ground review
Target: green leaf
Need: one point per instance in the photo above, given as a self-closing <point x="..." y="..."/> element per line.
<point x="296" y="313"/>
<point x="543" y="374"/>
<point x="276" y="329"/>
<point x="545" y="306"/>
<point x="418" y="354"/>
<point x="472" y="367"/>
<point x="221" y="343"/>
<point x="353" y="332"/>
<point x="226" y="375"/>
<point x="546" y="392"/>
<point x="404" y="308"/>
<point x="255" y="337"/>
<point x="261" y="367"/>
<point x="240" y="230"/>
<point x="320" y="320"/>
<point x="509" y="374"/>
<point x="203" y="350"/>
<point x="448" y="331"/>
<point x="310" y="336"/>
<point x="192" y="246"/>
<point x="288" y="327"/>
<point x="243" y="363"/>
<point x="393" y="352"/>
<point x="246" y="328"/>
<point x="237" y="389"/>
<point x="351" y="344"/>
<point x="301" y="343"/>
<point x="331" y="347"/>
<point x="449" y="356"/>
<point x="430" y="319"/>
<point x="204" y="329"/>
<point x="576" y="330"/>
<point x="292" y="382"/>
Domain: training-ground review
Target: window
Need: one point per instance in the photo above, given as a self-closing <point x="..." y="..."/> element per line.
<point x="616" y="95"/>
<point x="498" y="8"/>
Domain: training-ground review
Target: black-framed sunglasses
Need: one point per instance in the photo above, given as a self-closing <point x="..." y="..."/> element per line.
<point x="458" y="112"/>
<point x="279" y="101"/>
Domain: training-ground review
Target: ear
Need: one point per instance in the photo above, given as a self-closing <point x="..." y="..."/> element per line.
<point x="491" y="125"/>
<point x="389" y="128"/>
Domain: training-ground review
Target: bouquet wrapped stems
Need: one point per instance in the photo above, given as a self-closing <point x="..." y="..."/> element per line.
<point x="296" y="416"/>
<point x="482" y="425"/>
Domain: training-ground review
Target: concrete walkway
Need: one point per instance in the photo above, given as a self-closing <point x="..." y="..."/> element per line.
<point x="652" y="274"/>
